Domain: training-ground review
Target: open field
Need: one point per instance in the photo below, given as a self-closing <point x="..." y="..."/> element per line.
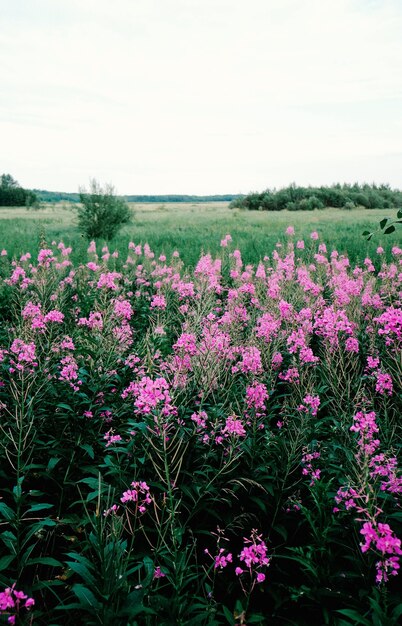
<point x="196" y="227"/>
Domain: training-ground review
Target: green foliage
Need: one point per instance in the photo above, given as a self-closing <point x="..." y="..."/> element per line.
<point x="295" y="198"/>
<point x="11" y="194"/>
<point x="387" y="226"/>
<point x="102" y="213"/>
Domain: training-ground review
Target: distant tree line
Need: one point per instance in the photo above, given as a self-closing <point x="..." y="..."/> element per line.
<point x="56" y="196"/>
<point x="294" y="198"/>
<point x="11" y="194"/>
<point x="59" y="196"/>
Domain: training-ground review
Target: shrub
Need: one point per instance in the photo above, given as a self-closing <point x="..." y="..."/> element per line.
<point x="101" y="213"/>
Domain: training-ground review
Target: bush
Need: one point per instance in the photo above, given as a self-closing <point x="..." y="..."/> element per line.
<point x="101" y="213"/>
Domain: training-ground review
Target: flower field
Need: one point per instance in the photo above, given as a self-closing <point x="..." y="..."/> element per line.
<point x="211" y="446"/>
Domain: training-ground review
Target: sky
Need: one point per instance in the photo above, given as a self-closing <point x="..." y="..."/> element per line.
<point x="200" y="96"/>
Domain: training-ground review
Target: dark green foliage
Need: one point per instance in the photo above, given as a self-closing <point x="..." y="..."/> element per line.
<point x="101" y="213"/>
<point x="338" y="196"/>
<point x="11" y="194"/>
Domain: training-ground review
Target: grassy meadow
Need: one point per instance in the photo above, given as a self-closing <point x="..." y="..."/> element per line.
<point x="196" y="227"/>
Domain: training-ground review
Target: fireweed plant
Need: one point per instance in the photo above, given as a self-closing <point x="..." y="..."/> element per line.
<point x="220" y="446"/>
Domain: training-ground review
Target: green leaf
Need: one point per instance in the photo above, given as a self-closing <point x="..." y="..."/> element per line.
<point x="229" y="616"/>
<point x="383" y="222"/>
<point x="389" y="230"/>
<point x="39" y="507"/>
<point x="89" y="449"/>
<point x="83" y="571"/>
<point x="6" y="511"/>
<point x="52" y="463"/>
<point x="45" y="560"/>
<point x="399" y="214"/>
<point x="9" y="540"/>
<point x="86" y="597"/>
<point x="133" y="604"/>
<point x="62" y="405"/>
<point x="365" y="233"/>
<point x="5" y="561"/>
<point x="397" y="612"/>
<point x="355" y="616"/>
<point x="255" y="619"/>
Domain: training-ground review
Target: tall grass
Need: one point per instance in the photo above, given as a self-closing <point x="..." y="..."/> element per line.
<point x="195" y="227"/>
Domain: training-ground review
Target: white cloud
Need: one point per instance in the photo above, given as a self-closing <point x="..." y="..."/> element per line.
<point x="200" y="96"/>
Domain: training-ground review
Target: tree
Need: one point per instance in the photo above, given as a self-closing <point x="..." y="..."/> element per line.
<point x="8" y="182"/>
<point x="11" y="194"/>
<point x="101" y="213"/>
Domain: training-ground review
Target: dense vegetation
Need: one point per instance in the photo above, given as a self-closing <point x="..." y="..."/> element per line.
<point x="215" y="446"/>
<point x="295" y="198"/>
<point x="11" y="194"/>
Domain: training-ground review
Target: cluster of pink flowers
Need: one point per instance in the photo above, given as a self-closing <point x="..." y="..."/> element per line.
<point x="111" y="439"/>
<point x="94" y="320"/>
<point x="158" y="302"/>
<point x="123" y="308"/>
<point x="308" y="469"/>
<point x="310" y="403"/>
<point x="150" y="394"/>
<point x="378" y="536"/>
<point x="256" y="397"/>
<point x="33" y="312"/>
<point x="107" y="280"/>
<point x="25" y="354"/>
<point x="139" y="494"/>
<point x="69" y="372"/>
<point x="390" y="325"/>
<point x="233" y="427"/>
<point x="225" y="241"/>
<point x="381" y="538"/>
<point x="253" y="558"/>
<point x="12" y="601"/>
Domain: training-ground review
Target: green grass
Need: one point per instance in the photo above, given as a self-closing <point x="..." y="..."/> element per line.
<point x="191" y="228"/>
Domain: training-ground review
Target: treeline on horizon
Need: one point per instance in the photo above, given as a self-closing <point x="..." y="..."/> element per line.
<point x="291" y="198"/>
<point x="345" y="196"/>
<point x="60" y="196"/>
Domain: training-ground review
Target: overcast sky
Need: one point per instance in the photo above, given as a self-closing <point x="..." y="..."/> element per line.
<point x="200" y="96"/>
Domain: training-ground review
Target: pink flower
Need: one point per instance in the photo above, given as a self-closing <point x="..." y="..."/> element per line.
<point x="234" y="426"/>
<point x="222" y="559"/>
<point x="158" y="302"/>
<point x="314" y="235"/>
<point x="383" y="384"/>
<point x="290" y="231"/>
<point x="158" y="573"/>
